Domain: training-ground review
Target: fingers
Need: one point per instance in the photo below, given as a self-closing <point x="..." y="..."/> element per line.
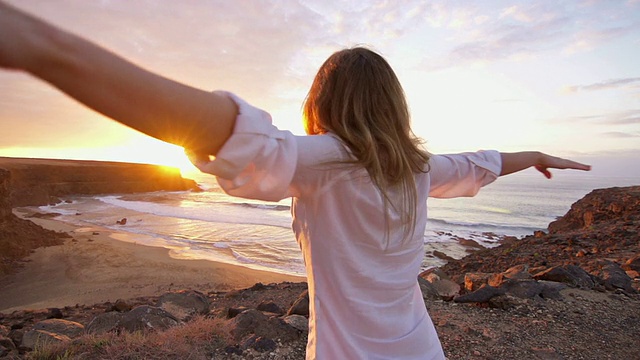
<point x="560" y="163"/>
<point x="544" y="171"/>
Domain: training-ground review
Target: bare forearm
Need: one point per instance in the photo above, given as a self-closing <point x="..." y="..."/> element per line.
<point x="514" y="162"/>
<point x="105" y="82"/>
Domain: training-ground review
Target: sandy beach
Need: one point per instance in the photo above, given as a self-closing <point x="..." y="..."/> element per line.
<point x="94" y="267"/>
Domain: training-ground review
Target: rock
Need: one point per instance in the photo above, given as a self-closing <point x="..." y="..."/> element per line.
<point x="429" y="292"/>
<point x="599" y="206"/>
<point x="297" y="321"/>
<point x="122" y="221"/>
<point x="615" y="277"/>
<point x="104" y="323"/>
<point x="259" y="343"/>
<point x="68" y="328"/>
<point x="442" y="256"/>
<point x="147" y="317"/>
<point x="446" y="289"/>
<point x="434" y="274"/>
<point x="522" y="288"/>
<point x="472" y="244"/>
<point x="246" y="323"/>
<point x="551" y="289"/>
<point x="34" y="338"/>
<point x="255" y="322"/>
<point x="121" y="306"/>
<point x="474" y="281"/>
<point x="633" y="263"/>
<point x="505" y="302"/>
<point x="517" y="272"/>
<point x="7" y="343"/>
<point x="16" y="335"/>
<point x="300" y="305"/>
<point x="481" y="295"/>
<point x="55" y="313"/>
<point x="572" y="275"/>
<point x="5" y="203"/>
<point x="234" y="311"/>
<point x="270" y="306"/>
<point x="184" y="304"/>
<point x="258" y="287"/>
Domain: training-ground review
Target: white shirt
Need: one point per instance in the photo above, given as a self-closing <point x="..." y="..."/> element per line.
<point x="365" y="302"/>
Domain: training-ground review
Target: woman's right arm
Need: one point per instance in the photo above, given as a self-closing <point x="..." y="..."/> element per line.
<point x="197" y="120"/>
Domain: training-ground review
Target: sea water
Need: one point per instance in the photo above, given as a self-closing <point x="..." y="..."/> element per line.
<point x="214" y="226"/>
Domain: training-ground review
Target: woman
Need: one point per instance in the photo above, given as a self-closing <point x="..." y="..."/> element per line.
<point x="359" y="183"/>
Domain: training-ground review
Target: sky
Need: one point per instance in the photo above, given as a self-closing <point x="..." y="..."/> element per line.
<point x="556" y="76"/>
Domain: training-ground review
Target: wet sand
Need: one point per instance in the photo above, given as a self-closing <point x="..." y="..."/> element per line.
<point x="94" y="267"/>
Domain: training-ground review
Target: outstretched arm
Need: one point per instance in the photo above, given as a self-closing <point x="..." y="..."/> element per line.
<point x="167" y="110"/>
<point x="514" y="162"/>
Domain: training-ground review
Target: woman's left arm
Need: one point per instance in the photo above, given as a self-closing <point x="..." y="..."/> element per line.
<point x="155" y="105"/>
<point x="514" y="162"/>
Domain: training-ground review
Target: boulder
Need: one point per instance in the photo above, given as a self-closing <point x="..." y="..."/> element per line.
<point x="522" y="288"/>
<point x="300" y="305"/>
<point x="255" y="322"/>
<point x="147" y="317"/>
<point x="614" y="277"/>
<point x="481" y="295"/>
<point x="446" y="289"/>
<point x="104" y="323"/>
<point x="68" y="328"/>
<point x="34" y="338"/>
<point x="474" y="281"/>
<point x="429" y="292"/>
<point x="259" y="343"/>
<point x="297" y="321"/>
<point x="571" y="275"/>
<point x="184" y="304"/>
<point x="270" y="306"/>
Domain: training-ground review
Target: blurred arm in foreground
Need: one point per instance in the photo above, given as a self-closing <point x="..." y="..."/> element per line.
<point x="197" y="120"/>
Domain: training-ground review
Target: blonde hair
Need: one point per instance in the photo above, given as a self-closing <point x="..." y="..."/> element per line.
<point x="357" y="96"/>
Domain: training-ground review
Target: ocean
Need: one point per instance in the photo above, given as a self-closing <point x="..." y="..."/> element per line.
<point x="211" y="225"/>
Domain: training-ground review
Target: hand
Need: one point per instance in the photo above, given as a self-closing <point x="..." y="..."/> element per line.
<point x="514" y="162"/>
<point x="553" y="162"/>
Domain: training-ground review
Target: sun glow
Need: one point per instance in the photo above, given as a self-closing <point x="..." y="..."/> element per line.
<point x="140" y="150"/>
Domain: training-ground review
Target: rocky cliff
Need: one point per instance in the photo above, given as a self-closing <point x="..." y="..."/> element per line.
<point x="43" y="181"/>
<point x="18" y="237"/>
<point x="599" y="229"/>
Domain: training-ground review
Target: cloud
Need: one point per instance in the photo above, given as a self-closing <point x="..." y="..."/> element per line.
<point x="619" y="134"/>
<point x="526" y="30"/>
<point x="604" y="85"/>
<point x="627" y="117"/>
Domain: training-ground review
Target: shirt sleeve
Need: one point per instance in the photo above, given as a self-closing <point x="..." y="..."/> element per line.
<point x="258" y="160"/>
<point x="463" y="174"/>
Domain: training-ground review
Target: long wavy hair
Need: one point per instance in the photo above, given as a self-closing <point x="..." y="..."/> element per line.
<point x="357" y="96"/>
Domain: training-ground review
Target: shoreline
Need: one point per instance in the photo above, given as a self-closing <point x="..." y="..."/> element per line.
<point x="94" y="266"/>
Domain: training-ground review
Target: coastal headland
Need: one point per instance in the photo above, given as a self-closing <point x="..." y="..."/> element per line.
<point x="571" y="292"/>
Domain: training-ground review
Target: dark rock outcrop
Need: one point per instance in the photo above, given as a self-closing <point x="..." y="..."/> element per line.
<point x="611" y="231"/>
<point x="19" y="237"/>
<point x="613" y="205"/>
<point x="44" y="181"/>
